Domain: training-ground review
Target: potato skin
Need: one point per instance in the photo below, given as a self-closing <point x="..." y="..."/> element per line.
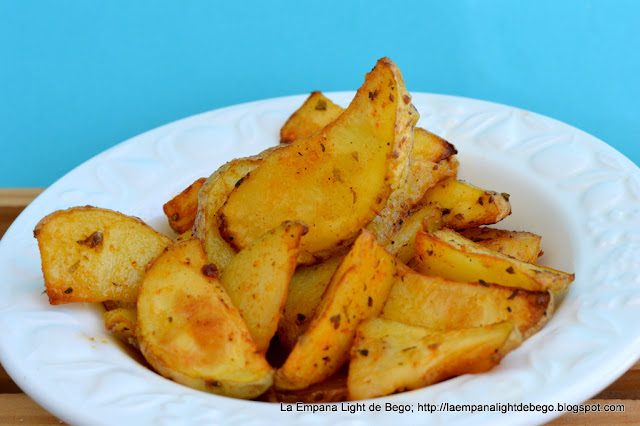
<point x="92" y="254"/>
<point x="212" y="196"/>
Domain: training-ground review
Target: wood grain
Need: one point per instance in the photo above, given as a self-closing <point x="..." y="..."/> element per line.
<point x="12" y="202"/>
<point x="16" y="408"/>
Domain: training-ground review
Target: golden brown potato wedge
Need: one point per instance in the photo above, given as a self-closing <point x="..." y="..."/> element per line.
<point x="403" y="242"/>
<point x="306" y="287"/>
<point x="181" y="210"/>
<point x="423" y="175"/>
<point x="389" y="357"/>
<point x="441" y="304"/>
<point x="520" y="245"/>
<point x="189" y="330"/>
<point x="335" y="180"/>
<point x="121" y="322"/>
<point x="257" y="279"/>
<point x="357" y="292"/>
<point x="314" y="114"/>
<point x="91" y="254"/>
<point x="448" y="254"/>
<point x="318" y="111"/>
<point x="466" y="206"/>
<point x="212" y="196"/>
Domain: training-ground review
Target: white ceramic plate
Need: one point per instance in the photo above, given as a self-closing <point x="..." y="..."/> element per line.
<point x="581" y="195"/>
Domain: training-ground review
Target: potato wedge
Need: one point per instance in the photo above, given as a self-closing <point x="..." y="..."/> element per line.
<point x="520" y="245"/>
<point x="91" y="254"/>
<point x="212" y="196"/>
<point x="423" y="175"/>
<point x="121" y="322"/>
<point x="450" y="255"/>
<point x="314" y="114"/>
<point x="318" y="111"/>
<point x="403" y="242"/>
<point x="389" y="357"/>
<point x="257" y="279"/>
<point x="189" y="330"/>
<point x="306" y="288"/>
<point x="441" y="304"/>
<point x="357" y="292"/>
<point x="466" y="206"/>
<point x="335" y="180"/>
<point x="181" y="210"/>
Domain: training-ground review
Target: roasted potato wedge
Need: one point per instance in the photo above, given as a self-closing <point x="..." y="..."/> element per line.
<point x="441" y="304"/>
<point x="314" y="114"/>
<point x="389" y="357"/>
<point x="335" y="180"/>
<point x="212" y="196"/>
<point x="257" y="279"/>
<point x="121" y="322"/>
<point x="356" y="292"/>
<point x="91" y="254"/>
<point x="423" y="175"/>
<point x="181" y="210"/>
<point x="403" y="242"/>
<point x="306" y="287"/>
<point x="520" y="245"/>
<point x="189" y="330"/>
<point x="466" y="206"/>
<point x="318" y="111"/>
<point x="448" y="254"/>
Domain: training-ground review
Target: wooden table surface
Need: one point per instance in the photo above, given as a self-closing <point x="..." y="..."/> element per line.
<point x="16" y="408"/>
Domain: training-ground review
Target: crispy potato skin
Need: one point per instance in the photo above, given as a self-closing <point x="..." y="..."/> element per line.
<point x="91" y="254"/>
<point x="448" y="254"/>
<point x="441" y="304"/>
<point x="389" y="357"/>
<point x="181" y="210"/>
<point x="336" y="180"/>
<point x="257" y="279"/>
<point x="520" y="245"/>
<point x="211" y="197"/>
<point x="189" y="330"/>
<point x="356" y="292"/>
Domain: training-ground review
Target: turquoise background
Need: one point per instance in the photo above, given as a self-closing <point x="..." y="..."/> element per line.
<point x="77" y="77"/>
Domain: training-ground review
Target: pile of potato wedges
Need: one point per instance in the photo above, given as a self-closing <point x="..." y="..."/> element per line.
<point x="347" y="262"/>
